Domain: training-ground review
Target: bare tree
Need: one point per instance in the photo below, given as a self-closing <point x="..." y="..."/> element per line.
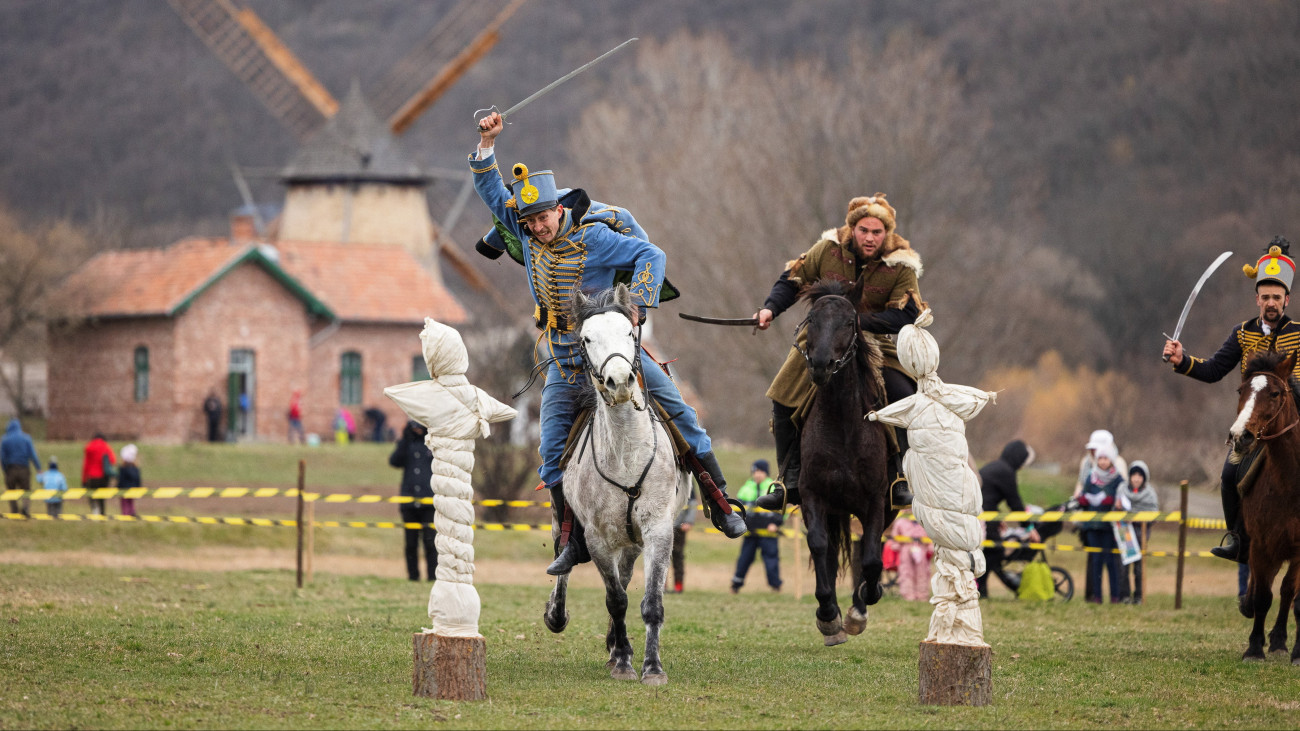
<point x="34" y="258"/>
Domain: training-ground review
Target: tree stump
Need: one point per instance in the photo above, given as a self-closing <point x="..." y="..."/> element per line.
<point x="955" y="675"/>
<point x="450" y="668"/>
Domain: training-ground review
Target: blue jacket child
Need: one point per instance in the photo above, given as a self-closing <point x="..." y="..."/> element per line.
<point x="54" y="481"/>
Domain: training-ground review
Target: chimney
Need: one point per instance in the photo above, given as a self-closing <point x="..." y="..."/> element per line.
<point x="243" y="228"/>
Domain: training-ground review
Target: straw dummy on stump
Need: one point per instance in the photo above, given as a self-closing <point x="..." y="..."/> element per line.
<point x="955" y="663"/>
<point x="450" y="657"/>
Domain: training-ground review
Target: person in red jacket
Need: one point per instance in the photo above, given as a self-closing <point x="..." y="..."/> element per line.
<point x="97" y="469"/>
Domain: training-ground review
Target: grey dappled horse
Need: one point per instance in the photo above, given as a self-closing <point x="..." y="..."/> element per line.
<point x="622" y="482"/>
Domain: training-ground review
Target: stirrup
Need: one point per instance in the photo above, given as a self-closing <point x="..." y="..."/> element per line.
<point x="1233" y="551"/>
<point x="905" y="499"/>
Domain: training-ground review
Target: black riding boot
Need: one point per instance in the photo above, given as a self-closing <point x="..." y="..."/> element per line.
<point x="899" y="495"/>
<point x="572" y="545"/>
<point x="713" y="491"/>
<point x="1236" y="544"/>
<point x="787" y="459"/>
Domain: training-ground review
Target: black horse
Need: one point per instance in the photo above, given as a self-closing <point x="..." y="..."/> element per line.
<point x="844" y="456"/>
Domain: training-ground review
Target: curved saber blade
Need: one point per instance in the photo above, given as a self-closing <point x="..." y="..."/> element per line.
<point x="555" y="83"/>
<point x="1182" y="319"/>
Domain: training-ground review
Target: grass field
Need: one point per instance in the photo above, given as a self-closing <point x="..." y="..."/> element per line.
<point x="122" y="625"/>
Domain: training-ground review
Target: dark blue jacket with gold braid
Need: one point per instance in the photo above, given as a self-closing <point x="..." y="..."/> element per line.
<point x="585" y="255"/>
<point x="1246" y="341"/>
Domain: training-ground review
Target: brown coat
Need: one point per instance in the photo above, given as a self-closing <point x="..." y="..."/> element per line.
<point x="890" y="278"/>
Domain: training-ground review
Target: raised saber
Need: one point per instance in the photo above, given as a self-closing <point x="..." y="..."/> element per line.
<point x="551" y="85"/>
<point x="1182" y="319"/>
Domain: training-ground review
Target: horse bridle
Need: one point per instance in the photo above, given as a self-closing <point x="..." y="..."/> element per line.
<point x="1286" y="388"/>
<point x="631" y="491"/>
<point x="848" y="354"/>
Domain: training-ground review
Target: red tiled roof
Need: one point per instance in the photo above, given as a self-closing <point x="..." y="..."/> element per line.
<point x="369" y="282"/>
<point x="148" y="281"/>
<point x="357" y="282"/>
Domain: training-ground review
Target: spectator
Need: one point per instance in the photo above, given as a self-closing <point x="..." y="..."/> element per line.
<point x="345" y="427"/>
<point x="999" y="485"/>
<point x="128" y="476"/>
<point x="376" y="422"/>
<point x="1100" y="491"/>
<point x="414" y="458"/>
<point x="17" y="452"/>
<point x="1095" y="440"/>
<point x="1137" y="495"/>
<point x="914" y="554"/>
<point x="685" y="519"/>
<point x="212" y="413"/>
<point x="97" y="468"/>
<point x="762" y="536"/>
<point x="56" y="483"/>
<point x="295" y="419"/>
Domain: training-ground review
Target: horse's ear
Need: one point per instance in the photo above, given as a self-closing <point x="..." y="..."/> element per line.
<point x="1287" y="366"/>
<point x="578" y="304"/>
<point x="623" y="296"/>
<point x="855" y="292"/>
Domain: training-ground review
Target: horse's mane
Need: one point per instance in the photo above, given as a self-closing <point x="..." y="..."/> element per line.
<point x="591" y="302"/>
<point x="824" y="287"/>
<point x="1267" y="362"/>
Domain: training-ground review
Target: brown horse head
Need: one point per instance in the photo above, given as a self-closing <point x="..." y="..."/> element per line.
<point x="832" y="334"/>
<point x="1266" y="401"/>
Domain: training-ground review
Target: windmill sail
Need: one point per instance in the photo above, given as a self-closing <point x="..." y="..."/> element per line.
<point x="253" y="52"/>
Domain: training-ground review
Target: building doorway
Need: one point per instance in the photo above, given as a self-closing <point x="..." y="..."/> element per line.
<point x="240" y="383"/>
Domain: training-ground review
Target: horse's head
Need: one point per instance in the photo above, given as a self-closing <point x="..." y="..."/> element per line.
<point x="609" y="341"/>
<point x="832" y="329"/>
<point x="1266" y="401"/>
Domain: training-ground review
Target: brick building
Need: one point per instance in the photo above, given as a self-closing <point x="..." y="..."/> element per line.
<point x="157" y="330"/>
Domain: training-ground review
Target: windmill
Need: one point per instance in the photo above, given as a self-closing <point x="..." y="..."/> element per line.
<point x="350" y="180"/>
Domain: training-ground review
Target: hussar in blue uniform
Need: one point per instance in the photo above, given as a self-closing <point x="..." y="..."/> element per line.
<point x="565" y="250"/>
<point x="1272" y="330"/>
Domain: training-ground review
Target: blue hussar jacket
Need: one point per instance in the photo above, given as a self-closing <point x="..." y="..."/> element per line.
<point x="16" y="448"/>
<point x="587" y="254"/>
<point x="1245" y="342"/>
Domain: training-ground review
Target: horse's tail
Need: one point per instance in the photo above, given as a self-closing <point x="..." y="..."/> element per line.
<point x="839" y="541"/>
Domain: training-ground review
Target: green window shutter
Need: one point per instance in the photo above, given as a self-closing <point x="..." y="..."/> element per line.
<point x="419" y="370"/>
<point x="141" y="374"/>
<point x="350" y="379"/>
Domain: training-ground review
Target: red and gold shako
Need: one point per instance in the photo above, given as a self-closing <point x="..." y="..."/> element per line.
<point x="534" y="192"/>
<point x="1275" y="267"/>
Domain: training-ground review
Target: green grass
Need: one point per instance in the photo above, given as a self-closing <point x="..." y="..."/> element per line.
<point x="170" y="649"/>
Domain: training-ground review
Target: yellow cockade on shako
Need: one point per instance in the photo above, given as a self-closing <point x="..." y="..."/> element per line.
<point x="1272" y="268"/>
<point x="528" y="194"/>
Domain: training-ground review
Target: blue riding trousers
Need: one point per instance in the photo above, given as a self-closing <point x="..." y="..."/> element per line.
<point x="560" y="408"/>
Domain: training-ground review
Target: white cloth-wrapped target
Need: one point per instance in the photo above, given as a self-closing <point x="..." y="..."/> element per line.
<point x="455" y="413"/>
<point x="946" y="490"/>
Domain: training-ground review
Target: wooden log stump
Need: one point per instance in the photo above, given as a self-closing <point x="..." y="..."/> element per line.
<point x="955" y="675"/>
<point x="450" y="668"/>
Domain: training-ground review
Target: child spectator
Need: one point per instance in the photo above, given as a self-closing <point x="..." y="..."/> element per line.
<point x="681" y="527"/>
<point x="914" y="554"/>
<point x="54" y="481"/>
<point x="761" y="536"/>
<point x="1137" y="495"/>
<point x="128" y="476"/>
<point x="1100" y="491"/>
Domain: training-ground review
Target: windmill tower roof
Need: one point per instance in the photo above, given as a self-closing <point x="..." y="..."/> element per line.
<point x="354" y="146"/>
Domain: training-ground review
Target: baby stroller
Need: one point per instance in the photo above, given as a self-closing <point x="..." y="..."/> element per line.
<point x="1015" y="559"/>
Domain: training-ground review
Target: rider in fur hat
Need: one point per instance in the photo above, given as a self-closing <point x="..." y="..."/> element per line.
<point x="866" y="248"/>
<point x="1272" y="330"/>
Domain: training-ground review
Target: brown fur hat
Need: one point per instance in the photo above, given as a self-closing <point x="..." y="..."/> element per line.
<point x="875" y="206"/>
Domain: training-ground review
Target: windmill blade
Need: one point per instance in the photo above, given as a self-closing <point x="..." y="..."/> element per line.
<point x="435" y="66"/>
<point x="253" y="52"/>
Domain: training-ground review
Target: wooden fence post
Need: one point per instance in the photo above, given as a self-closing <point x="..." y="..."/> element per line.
<point x="1182" y="543"/>
<point x="302" y="469"/>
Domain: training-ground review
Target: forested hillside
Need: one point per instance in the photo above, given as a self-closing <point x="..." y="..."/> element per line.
<point x="1065" y="169"/>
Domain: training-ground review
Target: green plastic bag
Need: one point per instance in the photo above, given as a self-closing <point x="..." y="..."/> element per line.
<point x="1036" y="582"/>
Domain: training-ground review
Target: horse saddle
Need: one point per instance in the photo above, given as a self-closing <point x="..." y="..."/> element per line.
<point x="1248" y="469"/>
<point x="583" y="420"/>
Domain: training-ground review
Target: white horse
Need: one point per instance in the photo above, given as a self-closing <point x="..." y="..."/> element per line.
<point x="622" y="482"/>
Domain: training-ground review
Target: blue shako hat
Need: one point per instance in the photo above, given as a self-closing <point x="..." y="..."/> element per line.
<point x="534" y="192"/>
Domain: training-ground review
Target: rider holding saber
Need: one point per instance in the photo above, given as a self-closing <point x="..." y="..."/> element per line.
<point x="1272" y="330"/>
<point x="564" y="253"/>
